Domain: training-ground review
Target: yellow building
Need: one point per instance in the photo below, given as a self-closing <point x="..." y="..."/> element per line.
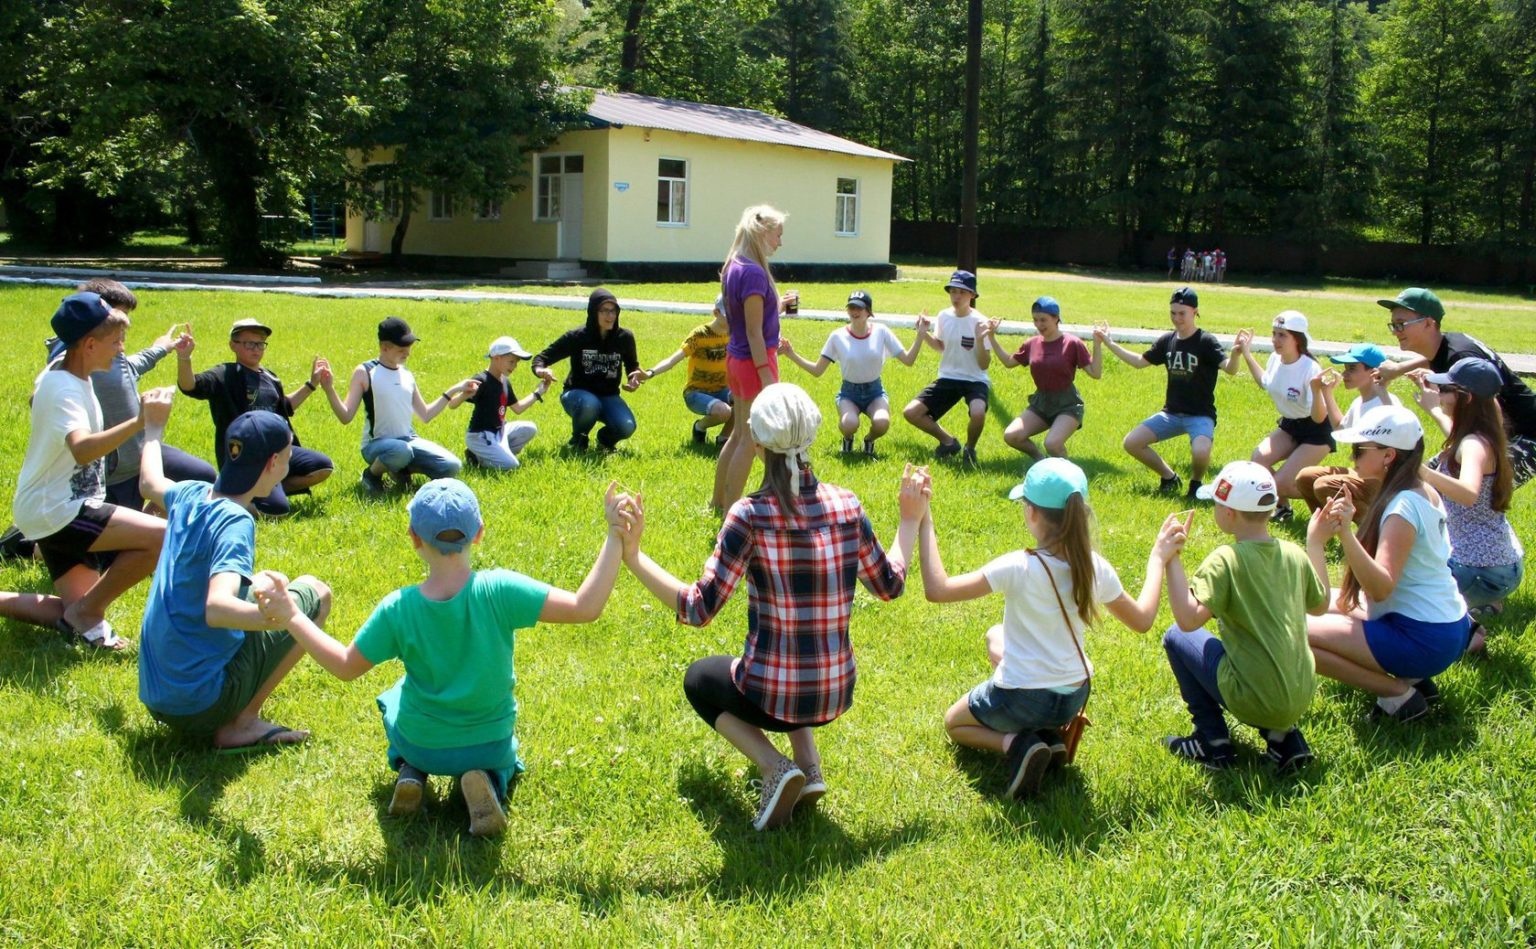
<point x="654" y="187"/>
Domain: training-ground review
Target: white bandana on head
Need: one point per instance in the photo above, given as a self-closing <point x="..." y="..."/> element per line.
<point x="784" y="419"/>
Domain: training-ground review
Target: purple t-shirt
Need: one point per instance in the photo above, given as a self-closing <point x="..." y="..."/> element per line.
<point x="743" y="279"/>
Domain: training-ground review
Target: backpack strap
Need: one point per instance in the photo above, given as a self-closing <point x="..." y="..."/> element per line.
<point x="1066" y="617"/>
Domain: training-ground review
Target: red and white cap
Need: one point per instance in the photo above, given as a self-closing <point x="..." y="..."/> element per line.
<point x="1242" y="486"/>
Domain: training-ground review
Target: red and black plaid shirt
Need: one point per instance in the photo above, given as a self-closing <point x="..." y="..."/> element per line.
<point x="798" y="664"/>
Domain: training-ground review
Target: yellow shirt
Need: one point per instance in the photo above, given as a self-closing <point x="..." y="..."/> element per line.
<point x="706" y="359"/>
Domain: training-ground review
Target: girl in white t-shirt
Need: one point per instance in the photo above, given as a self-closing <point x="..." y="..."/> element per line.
<point x="1303" y="436"/>
<point x="860" y="350"/>
<point x="1040" y="678"/>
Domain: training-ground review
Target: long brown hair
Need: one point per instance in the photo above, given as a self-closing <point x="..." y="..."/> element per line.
<point x="1402" y="475"/>
<point x="1071" y="539"/>
<point x="776" y="481"/>
<point x="1481" y="417"/>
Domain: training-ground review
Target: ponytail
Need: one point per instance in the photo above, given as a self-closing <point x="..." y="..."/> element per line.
<point x="1071" y="539"/>
<point x="777" y="481"/>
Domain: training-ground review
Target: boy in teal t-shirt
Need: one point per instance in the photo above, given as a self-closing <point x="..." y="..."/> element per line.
<point x="1260" y="590"/>
<point x="453" y="711"/>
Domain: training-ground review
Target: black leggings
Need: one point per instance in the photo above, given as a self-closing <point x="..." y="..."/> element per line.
<point x="712" y="692"/>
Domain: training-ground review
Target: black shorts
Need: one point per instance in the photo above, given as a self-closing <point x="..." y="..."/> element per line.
<point x="712" y="692"/>
<point x="1304" y="431"/>
<point x="70" y="546"/>
<point x="1522" y="456"/>
<point x="301" y="462"/>
<point x="942" y="395"/>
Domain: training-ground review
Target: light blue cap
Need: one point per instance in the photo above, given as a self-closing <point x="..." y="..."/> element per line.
<point x="1051" y="482"/>
<point x="1368" y="355"/>
<point x="441" y="507"/>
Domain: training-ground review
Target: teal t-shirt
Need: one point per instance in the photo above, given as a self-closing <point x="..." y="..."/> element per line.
<point x="1260" y="592"/>
<point x="457" y="687"/>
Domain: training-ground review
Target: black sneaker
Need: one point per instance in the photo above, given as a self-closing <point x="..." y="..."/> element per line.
<point x="1428" y="689"/>
<point x="698" y="433"/>
<point x="1194" y="489"/>
<point x="947" y="451"/>
<point x="1169" y="485"/>
<point x="1282" y="514"/>
<point x="472" y="460"/>
<point x="1215" y="756"/>
<point x="847" y="444"/>
<point x="371" y="483"/>
<point x="578" y="443"/>
<point x="1053" y="741"/>
<point x="1412" y="710"/>
<point x="1290" y="753"/>
<point x="869" y="447"/>
<point x="968" y="456"/>
<point x="13" y="546"/>
<point x="1027" y="759"/>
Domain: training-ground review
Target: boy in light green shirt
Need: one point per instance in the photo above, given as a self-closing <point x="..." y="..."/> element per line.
<point x="1259" y="589"/>
<point x="453" y="711"/>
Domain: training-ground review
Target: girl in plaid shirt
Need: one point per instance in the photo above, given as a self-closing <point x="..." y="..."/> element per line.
<point x="800" y="544"/>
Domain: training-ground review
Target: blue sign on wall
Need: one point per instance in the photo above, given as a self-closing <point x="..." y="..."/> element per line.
<point x="621" y="186"/>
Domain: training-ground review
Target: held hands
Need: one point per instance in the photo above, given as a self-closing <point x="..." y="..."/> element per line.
<point x="625" y="514"/>
<point x="633" y="380"/>
<point x="1101" y="331"/>
<point x="545" y="373"/>
<point x="786" y="348"/>
<point x="1426" y="393"/>
<point x="320" y="373"/>
<point x="168" y="341"/>
<point x="916" y="492"/>
<point x="1172" y="536"/>
<point x="184" y="343"/>
<point x="1326" y="381"/>
<point x="155" y="408"/>
<point x="923" y="323"/>
<point x="1243" y="341"/>
<point x="270" y="591"/>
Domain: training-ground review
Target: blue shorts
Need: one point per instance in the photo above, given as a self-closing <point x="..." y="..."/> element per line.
<point x="700" y="401"/>
<point x="1166" y="425"/>
<point x="1024" y="710"/>
<point x="861" y="394"/>
<point x="1412" y="649"/>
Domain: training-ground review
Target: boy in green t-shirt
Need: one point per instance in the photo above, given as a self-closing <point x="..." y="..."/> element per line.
<point x="453" y="711"/>
<point x="1259" y="589"/>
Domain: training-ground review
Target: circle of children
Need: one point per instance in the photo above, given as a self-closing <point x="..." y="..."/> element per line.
<point x="1422" y="529"/>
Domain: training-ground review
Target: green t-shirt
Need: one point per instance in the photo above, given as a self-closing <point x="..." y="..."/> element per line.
<point x="457" y="687"/>
<point x="1260" y="592"/>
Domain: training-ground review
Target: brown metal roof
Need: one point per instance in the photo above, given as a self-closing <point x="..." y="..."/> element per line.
<point x="748" y="125"/>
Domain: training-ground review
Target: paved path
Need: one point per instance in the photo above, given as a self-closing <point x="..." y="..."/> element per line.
<point x="1524" y="364"/>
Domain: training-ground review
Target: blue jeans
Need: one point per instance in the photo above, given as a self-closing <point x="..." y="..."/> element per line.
<point x="1024" y="710"/>
<point x="586" y="410"/>
<point x="1481" y="586"/>
<point x="1194" y="658"/>
<point x="412" y="455"/>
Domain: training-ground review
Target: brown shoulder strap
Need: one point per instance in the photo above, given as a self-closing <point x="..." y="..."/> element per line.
<point x="1064" y="614"/>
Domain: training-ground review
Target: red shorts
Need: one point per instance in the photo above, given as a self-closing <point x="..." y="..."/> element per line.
<point x="743" y="379"/>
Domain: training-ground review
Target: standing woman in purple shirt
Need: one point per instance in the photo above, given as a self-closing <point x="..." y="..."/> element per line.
<point x="752" y="308"/>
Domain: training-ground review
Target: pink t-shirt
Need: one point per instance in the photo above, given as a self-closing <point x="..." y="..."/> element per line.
<point x="1053" y="365"/>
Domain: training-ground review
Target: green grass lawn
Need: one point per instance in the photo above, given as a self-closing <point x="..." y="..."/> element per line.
<point x="631" y="825"/>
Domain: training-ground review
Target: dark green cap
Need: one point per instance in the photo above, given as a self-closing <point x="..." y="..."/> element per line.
<point x="1421" y="301"/>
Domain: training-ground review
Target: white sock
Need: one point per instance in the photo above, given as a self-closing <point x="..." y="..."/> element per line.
<point x="1390" y="704"/>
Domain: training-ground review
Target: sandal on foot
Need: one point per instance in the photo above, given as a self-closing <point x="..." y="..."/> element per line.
<point x="267" y="740"/>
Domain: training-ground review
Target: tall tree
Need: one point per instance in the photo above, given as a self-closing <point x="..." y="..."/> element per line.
<point x="1336" y="34"/>
<point x="810" y="36"/>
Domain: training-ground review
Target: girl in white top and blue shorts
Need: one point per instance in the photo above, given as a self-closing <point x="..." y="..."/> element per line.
<point x="1302" y="437"/>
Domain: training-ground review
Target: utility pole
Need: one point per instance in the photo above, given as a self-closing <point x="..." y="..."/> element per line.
<point x="965" y="255"/>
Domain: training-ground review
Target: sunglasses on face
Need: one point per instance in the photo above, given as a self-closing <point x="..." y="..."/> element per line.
<point x="1356" y="451"/>
<point x="1397" y="327"/>
<point x="1449" y="389"/>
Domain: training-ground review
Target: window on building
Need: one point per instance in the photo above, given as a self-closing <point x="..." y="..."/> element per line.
<point x="488" y="209"/>
<point x="847" y="221"/>
<point x="442" y="206"/>
<point x="546" y="205"/>
<point x="672" y="191"/>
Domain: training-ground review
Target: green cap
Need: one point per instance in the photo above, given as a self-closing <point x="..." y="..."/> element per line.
<point x="1421" y="301"/>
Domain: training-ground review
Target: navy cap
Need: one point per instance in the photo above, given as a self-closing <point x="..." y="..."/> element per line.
<point x="397" y="331"/>
<point x="1047" y="305"/>
<point x="249" y="443"/>
<point x="862" y="299"/>
<point x="446" y="506"/>
<point x="1478" y="376"/>
<point x="77" y="315"/>
<point x="963" y="280"/>
<point x="1186" y="296"/>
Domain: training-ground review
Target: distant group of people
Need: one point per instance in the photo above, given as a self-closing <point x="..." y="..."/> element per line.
<point x="1423" y="533"/>
<point x="1206" y="266"/>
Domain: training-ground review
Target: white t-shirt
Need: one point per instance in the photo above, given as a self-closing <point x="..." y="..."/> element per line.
<point x="1038" y="652"/>
<point x="1290" y="387"/>
<point x="51" y="486"/>
<point x="388" y="402"/>
<point x="1362" y="405"/>
<point x="862" y="359"/>
<point x="958" y="334"/>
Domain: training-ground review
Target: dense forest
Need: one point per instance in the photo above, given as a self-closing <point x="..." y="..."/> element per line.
<point x="1413" y="120"/>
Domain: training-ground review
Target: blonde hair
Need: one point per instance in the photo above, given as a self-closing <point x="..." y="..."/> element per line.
<point x="755" y="223"/>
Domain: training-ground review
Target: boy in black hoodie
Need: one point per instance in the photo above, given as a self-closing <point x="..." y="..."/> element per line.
<point x="602" y="357"/>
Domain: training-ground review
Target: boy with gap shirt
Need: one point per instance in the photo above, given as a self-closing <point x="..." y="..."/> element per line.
<point x="1193" y="359"/>
<point x="491" y="440"/>
<point x="453" y="711"/>
<point x="209" y="658"/>
<point x="1318" y="483"/>
<point x="959" y="336"/>
<point x="60" y="492"/>
<point x="1260" y="590"/>
<point x="387" y="393"/>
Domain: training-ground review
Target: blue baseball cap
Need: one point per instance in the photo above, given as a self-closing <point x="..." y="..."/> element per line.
<point x="1368" y="355"/>
<point x="1047" y="305"/>
<point x="1187" y="296"/>
<point x="77" y="315"/>
<point x="1051" y="482"/>
<point x="963" y="280"/>
<point x="862" y="300"/>
<point x="249" y="443"/>
<point x="1478" y="376"/>
<point x="442" y="507"/>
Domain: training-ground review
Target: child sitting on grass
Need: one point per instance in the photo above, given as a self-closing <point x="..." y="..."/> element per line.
<point x="1317" y="484"/>
<point x="1041" y="676"/>
<point x="706" y="391"/>
<point x="453" y="712"/>
<point x="1260" y="590"/>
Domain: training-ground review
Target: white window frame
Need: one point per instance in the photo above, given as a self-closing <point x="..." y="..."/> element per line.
<point x="440" y="206"/>
<point x="845" y="204"/>
<point x="541" y="181"/>
<point x="488" y="209"/>
<point x="672" y="182"/>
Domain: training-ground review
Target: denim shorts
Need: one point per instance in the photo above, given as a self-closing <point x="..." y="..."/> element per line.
<point x="700" y="401"/>
<point x="1166" y="425"/>
<point x="1413" y="649"/>
<point x="1481" y="586"/>
<point x="1023" y="710"/>
<point x="861" y="394"/>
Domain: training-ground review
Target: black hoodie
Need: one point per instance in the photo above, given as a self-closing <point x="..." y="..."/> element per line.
<point x="598" y="363"/>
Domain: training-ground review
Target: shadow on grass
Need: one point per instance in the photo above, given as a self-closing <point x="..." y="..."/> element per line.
<point x="32" y="657"/>
<point x="197" y="776"/>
